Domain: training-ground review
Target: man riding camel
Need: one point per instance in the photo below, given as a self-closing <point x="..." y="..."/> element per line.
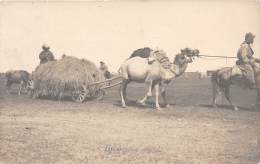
<point x="46" y="55"/>
<point x="246" y="61"/>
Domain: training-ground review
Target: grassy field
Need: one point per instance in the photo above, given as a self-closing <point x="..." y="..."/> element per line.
<point x="189" y="131"/>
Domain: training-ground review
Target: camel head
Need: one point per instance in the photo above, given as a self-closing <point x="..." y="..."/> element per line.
<point x="182" y="60"/>
<point x="186" y="56"/>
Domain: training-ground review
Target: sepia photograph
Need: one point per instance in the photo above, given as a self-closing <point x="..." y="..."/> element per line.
<point x="129" y="82"/>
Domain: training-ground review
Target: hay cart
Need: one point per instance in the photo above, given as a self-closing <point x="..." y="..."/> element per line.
<point x="96" y="90"/>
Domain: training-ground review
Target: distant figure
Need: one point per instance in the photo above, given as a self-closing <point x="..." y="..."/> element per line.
<point x="20" y="77"/>
<point x="46" y="55"/>
<point x="103" y="67"/>
<point x="63" y="56"/>
<point x="246" y="61"/>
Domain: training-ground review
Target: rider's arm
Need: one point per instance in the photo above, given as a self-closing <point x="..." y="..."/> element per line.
<point x="244" y="55"/>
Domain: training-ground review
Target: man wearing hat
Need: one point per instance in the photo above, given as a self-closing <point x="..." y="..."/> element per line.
<point x="103" y="67"/>
<point x="46" y="55"/>
<point x="246" y="60"/>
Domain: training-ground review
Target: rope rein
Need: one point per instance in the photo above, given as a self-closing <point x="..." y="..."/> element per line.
<point x="208" y="57"/>
<point x="226" y="57"/>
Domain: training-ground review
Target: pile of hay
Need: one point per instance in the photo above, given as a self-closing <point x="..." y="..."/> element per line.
<point x="67" y="74"/>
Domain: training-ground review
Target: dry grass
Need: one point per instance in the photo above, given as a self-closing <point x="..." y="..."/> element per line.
<point x="68" y="74"/>
<point x="46" y="131"/>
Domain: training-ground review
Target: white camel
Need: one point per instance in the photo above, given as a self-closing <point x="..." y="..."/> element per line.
<point x="139" y="70"/>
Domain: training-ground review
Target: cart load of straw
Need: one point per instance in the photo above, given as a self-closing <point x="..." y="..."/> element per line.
<point x="67" y="75"/>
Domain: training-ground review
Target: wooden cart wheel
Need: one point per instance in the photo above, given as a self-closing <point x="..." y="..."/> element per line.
<point x="82" y="96"/>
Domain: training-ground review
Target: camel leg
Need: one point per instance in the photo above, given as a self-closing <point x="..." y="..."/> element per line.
<point x="143" y="100"/>
<point x="35" y="95"/>
<point x="122" y="92"/>
<point x="25" y="87"/>
<point x="163" y="93"/>
<point x="214" y="98"/>
<point x="8" y="88"/>
<point x="157" y="93"/>
<point x="60" y="96"/>
<point x="148" y="94"/>
<point x="227" y="95"/>
<point x="30" y="93"/>
<point x="20" y="88"/>
<point x="215" y="93"/>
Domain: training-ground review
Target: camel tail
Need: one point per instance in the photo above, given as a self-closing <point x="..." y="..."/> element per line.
<point x="214" y="78"/>
<point x="119" y="71"/>
<point x="122" y="72"/>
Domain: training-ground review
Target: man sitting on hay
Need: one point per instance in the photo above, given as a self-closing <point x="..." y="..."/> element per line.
<point x="46" y="55"/>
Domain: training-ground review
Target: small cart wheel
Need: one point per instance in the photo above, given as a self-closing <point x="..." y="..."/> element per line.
<point x="80" y="98"/>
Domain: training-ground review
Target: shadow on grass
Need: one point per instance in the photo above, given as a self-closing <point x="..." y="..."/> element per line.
<point x="229" y="107"/>
<point x="132" y="103"/>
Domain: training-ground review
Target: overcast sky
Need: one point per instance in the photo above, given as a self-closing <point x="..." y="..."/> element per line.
<point x="110" y="30"/>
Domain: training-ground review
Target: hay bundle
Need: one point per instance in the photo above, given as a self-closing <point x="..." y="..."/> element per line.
<point x="67" y="74"/>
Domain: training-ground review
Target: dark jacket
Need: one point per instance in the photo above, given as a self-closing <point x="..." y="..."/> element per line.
<point x="46" y="56"/>
<point x="245" y="53"/>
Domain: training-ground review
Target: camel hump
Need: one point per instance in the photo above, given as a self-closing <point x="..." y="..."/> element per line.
<point x="142" y="52"/>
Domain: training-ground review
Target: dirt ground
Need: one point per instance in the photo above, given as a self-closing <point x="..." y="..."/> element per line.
<point x="189" y="131"/>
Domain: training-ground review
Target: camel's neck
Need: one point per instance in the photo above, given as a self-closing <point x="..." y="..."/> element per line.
<point x="183" y="68"/>
<point x="180" y="69"/>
